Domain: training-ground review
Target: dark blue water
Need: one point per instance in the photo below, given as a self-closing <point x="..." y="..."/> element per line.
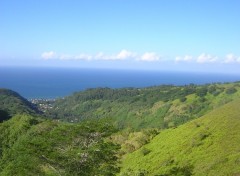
<point x="59" y="82"/>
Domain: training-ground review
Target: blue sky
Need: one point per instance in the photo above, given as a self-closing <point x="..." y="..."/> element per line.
<point x="199" y="35"/>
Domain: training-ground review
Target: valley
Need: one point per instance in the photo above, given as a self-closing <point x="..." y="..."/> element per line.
<point x="160" y="130"/>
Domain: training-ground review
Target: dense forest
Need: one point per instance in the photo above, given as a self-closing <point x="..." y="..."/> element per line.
<point x="160" y="130"/>
<point x="161" y="107"/>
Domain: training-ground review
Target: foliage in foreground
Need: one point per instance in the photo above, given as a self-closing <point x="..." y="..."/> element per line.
<point x="41" y="147"/>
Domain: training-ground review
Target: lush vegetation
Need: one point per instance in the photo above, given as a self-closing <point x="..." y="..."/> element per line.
<point x="30" y="146"/>
<point x="12" y="103"/>
<point x="206" y="146"/>
<point x="142" y="128"/>
<point x="154" y="107"/>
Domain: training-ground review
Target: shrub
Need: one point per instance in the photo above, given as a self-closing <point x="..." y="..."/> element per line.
<point x="202" y="92"/>
<point x="145" y="151"/>
<point x="231" y="90"/>
<point x="216" y="93"/>
<point x="183" y="99"/>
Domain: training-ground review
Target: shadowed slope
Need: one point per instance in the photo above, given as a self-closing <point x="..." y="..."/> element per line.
<point x="12" y="103"/>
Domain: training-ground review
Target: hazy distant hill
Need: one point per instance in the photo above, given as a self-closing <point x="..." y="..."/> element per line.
<point x="161" y="106"/>
<point x="206" y="146"/>
<point x="12" y="103"/>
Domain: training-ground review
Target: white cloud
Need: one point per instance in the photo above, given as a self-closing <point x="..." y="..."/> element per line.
<point x="83" y="57"/>
<point x="124" y="54"/>
<point x="100" y="56"/>
<point x="186" y="58"/>
<point x="206" y="58"/>
<point x="65" y="57"/>
<point x="150" y="57"/>
<point x="147" y="56"/>
<point x="178" y="58"/>
<point x="231" y="58"/>
<point x="49" y="55"/>
<point x="54" y="55"/>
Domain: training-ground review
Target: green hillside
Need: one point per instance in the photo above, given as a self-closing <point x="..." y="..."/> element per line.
<point x="30" y="147"/>
<point x="153" y="107"/>
<point x="209" y="145"/>
<point x="150" y="139"/>
<point x="12" y="103"/>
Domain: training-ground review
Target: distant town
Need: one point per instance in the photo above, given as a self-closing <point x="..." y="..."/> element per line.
<point x="43" y="104"/>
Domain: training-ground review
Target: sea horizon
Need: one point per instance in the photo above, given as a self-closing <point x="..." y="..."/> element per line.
<point x="51" y="83"/>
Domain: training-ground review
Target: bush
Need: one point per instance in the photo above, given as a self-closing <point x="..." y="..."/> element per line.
<point x="183" y="99"/>
<point x="202" y="92"/>
<point x="4" y="115"/>
<point x="145" y="151"/>
<point x="216" y="93"/>
<point x="231" y="90"/>
<point x="212" y="89"/>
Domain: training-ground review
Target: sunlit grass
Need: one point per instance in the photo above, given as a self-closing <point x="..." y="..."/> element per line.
<point x="206" y="146"/>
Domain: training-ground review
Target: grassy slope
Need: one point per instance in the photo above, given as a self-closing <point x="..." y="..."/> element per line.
<point x="206" y="146"/>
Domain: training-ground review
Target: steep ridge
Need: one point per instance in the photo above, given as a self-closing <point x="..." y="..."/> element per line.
<point x="205" y="146"/>
<point x="12" y="103"/>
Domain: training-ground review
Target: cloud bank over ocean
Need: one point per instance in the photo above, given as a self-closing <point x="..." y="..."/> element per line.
<point x="124" y="54"/>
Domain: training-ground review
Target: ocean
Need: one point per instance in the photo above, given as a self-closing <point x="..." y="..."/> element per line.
<point x="52" y="83"/>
